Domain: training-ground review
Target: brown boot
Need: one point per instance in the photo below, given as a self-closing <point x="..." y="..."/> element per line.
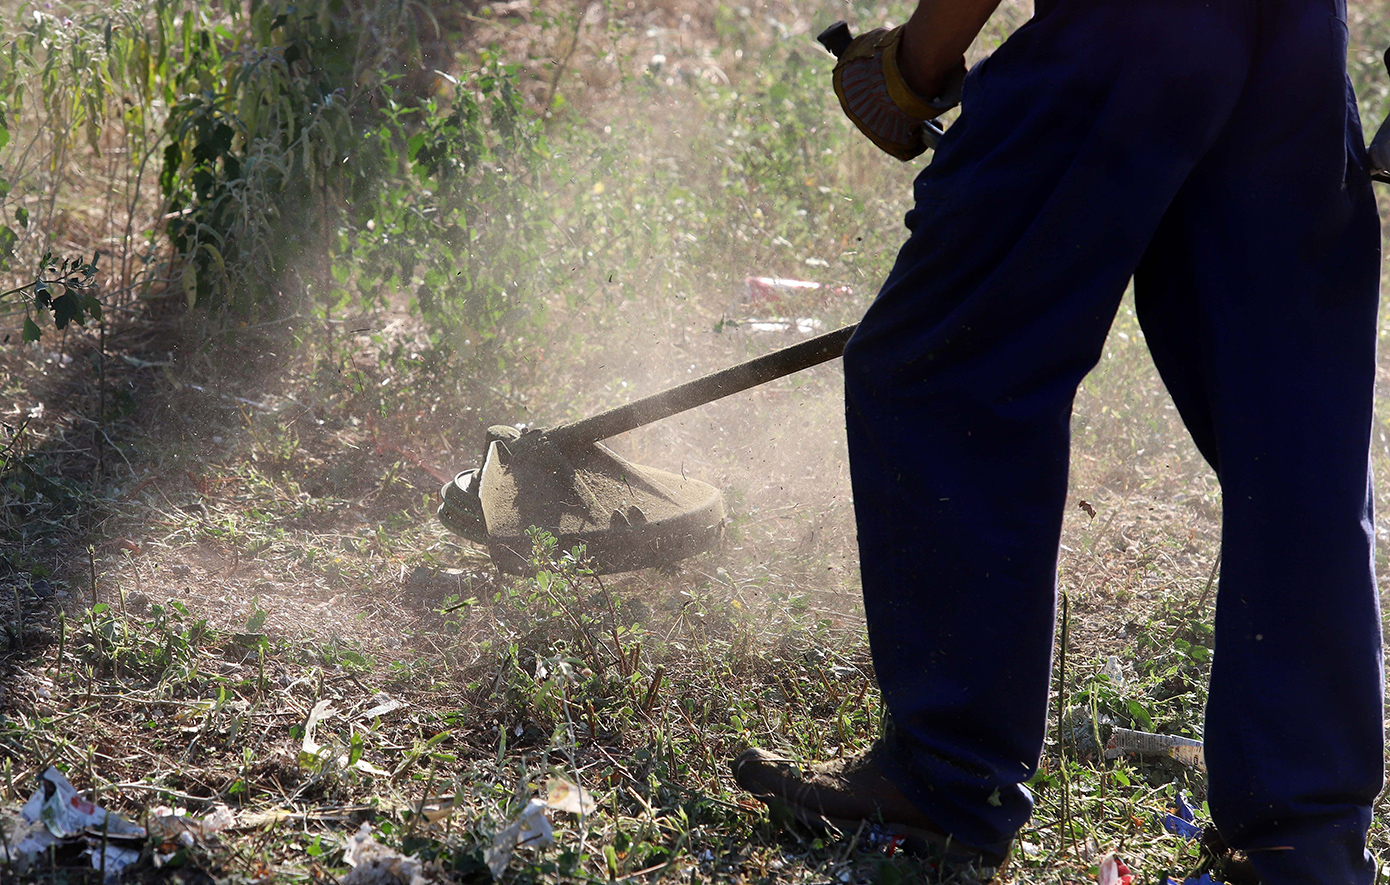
<point x="845" y="794"/>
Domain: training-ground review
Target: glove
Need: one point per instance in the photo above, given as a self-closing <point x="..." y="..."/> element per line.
<point x="1380" y="153"/>
<point x="1380" y="145"/>
<point x="878" y="100"/>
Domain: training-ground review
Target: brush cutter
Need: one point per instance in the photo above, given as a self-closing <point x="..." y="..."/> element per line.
<point x="627" y="516"/>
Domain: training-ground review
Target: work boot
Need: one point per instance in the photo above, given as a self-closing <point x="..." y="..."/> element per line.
<point x="846" y="794"/>
<point x="1232" y="866"/>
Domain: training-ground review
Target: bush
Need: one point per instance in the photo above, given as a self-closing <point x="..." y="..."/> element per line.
<point x="309" y="178"/>
<point x="307" y="160"/>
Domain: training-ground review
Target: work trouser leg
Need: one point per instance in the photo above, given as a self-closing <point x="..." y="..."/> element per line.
<point x="1028" y="225"/>
<point x="1258" y="300"/>
<point x="1074" y="139"/>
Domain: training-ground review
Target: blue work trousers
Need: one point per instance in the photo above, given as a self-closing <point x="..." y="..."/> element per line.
<point x="1210" y="151"/>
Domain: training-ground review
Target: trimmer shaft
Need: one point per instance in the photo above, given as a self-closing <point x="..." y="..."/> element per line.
<point x="626" y="515"/>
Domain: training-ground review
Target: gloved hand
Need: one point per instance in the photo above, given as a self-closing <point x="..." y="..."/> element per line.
<point x="1380" y="145"/>
<point x="878" y="100"/>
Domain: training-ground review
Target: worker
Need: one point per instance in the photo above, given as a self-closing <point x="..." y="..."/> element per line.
<point x="1210" y="152"/>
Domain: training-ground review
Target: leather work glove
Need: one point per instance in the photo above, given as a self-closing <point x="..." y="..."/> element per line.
<point x="1380" y="145"/>
<point x="878" y="100"/>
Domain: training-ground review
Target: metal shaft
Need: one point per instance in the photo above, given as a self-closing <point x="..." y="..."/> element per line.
<point x="725" y="382"/>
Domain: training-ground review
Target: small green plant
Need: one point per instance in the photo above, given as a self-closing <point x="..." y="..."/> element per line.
<point x="65" y="290"/>
<point x="465" y="223"/>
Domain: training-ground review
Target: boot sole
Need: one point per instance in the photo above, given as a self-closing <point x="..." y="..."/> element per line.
<point x="915" y="840"/>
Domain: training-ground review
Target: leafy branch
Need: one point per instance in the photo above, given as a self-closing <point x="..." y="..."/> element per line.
<point x="64" y="288"/>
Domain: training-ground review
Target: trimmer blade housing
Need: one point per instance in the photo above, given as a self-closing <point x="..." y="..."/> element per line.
<point x="627" y="516"/>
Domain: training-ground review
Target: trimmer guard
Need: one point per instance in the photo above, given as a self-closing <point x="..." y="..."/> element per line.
<point x="627" y="516"/>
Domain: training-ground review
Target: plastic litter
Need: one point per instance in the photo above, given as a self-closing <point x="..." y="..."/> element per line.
<point x="115" y="861"/>
<point x="562" y="795"/>
<point x="58" y="828"/>
<point x="1204" y="879"/>
<point x="1113" y="871"/>
<point x="1143" y="743"/>
<point x="322" y="710"/>
<point x="770" y="304"/>
<point x="175" y="828"/>
<point x="374" y="864"/>
<point x="436" y="808"/>
<point x="57" y="816"/>
<point x="1085" y="733"/>
<point x="529" y="828"/>
<point x="384" y="704"/>
<point x="765" y="292"/>
<point x="799" y="325"/>
<point x="1179" y="819"/>
<point x="1113" y="670"/>
<point x="65" y="813"/>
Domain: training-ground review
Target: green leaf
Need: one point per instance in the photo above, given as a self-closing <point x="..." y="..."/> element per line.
<point x="8" y="238"/>
<point x="31" y="330"/>
<point x="21" y="215"/>
<point x="216" y="257"/>
<point x="1141" y="716"/>
<point x="169" y="175"/>
<point x="66" y="309"/>
<point x="92" y="306"/>
<point x="189" y="281"/>
<point x="93" y="135"/>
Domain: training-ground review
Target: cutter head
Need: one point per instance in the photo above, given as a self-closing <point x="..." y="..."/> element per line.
<point x="627" y="516"/>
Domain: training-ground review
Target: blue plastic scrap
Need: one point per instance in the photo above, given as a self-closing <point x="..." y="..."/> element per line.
<point x="1180" y="820"/>
<point x="1204" y="879"/>
<point x="1179" y="827"/>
